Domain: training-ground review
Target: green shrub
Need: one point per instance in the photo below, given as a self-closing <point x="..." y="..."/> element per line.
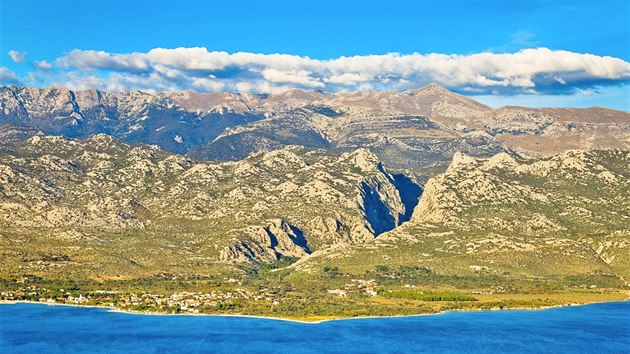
<point x="402" y="294"/>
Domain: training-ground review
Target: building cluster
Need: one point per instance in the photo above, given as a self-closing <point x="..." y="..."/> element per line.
<point x="190" y="302"/>
<point x="357" y="286"/>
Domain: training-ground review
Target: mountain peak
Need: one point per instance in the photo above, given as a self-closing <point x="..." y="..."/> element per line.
<point x="432" y="88"/>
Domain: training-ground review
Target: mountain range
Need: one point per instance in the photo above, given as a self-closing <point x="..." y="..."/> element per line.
<point x="134" y="184"/>
<point x="418" y="130"/>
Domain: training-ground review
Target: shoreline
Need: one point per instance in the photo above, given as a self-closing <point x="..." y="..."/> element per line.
<point x="129" y="312"/>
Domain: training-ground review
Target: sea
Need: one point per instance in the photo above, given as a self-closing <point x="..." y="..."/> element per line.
<point x="40" y="328"/>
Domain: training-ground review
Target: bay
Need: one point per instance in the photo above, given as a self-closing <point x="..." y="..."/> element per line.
<point x="39" y="328"/>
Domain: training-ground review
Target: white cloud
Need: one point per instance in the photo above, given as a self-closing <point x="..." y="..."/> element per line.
<point x="348" y="78"/>
<point x="529" y="71"/>
<point x="299" y="77"/>
<point x="43" y="65"/>
<point x="17" y="56"/>
<point x="7" y="76"/>
<point x="92" y="59"/>
<point x="207" y="85"/>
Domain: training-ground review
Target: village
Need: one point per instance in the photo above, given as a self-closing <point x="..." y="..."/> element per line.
<point x="179" y="302"/>
<point x="215" y="301"/>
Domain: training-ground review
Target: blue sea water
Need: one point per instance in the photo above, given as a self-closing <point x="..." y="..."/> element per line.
<point x="596" y="328"/>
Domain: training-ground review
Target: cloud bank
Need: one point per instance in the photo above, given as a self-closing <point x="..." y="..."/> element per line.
<point x="528" y="71"/>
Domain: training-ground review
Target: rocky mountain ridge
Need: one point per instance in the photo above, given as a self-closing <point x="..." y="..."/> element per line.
<point x="418" y="130"/>
<point x="567" y="214"/>
<point x="102" y="206"/>
<point x="288" y="202"/>
<point x="132" y="116"/>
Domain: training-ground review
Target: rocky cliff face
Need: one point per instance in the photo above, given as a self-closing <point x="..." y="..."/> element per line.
<point x="266" y="243"/>
<point x="567" y="214"/>
<point x="287" y="202"/>
<point x="573" y="203"/>
<point x="531" y="196"/>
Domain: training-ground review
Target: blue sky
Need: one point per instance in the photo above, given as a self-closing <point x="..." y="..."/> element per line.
<point x="103" y="35"/>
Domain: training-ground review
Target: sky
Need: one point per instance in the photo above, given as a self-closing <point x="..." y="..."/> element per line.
<point x="531" y="53"/>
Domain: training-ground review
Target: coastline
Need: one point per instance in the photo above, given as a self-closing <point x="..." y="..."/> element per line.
<point x="303" y="321"/>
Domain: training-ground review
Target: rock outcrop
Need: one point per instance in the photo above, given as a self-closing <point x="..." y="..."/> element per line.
<point x="530" y="196"/>
<point x="266" y="243"/>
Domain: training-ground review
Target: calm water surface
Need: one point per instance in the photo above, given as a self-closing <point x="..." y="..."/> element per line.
<point x="597" y="328"/>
